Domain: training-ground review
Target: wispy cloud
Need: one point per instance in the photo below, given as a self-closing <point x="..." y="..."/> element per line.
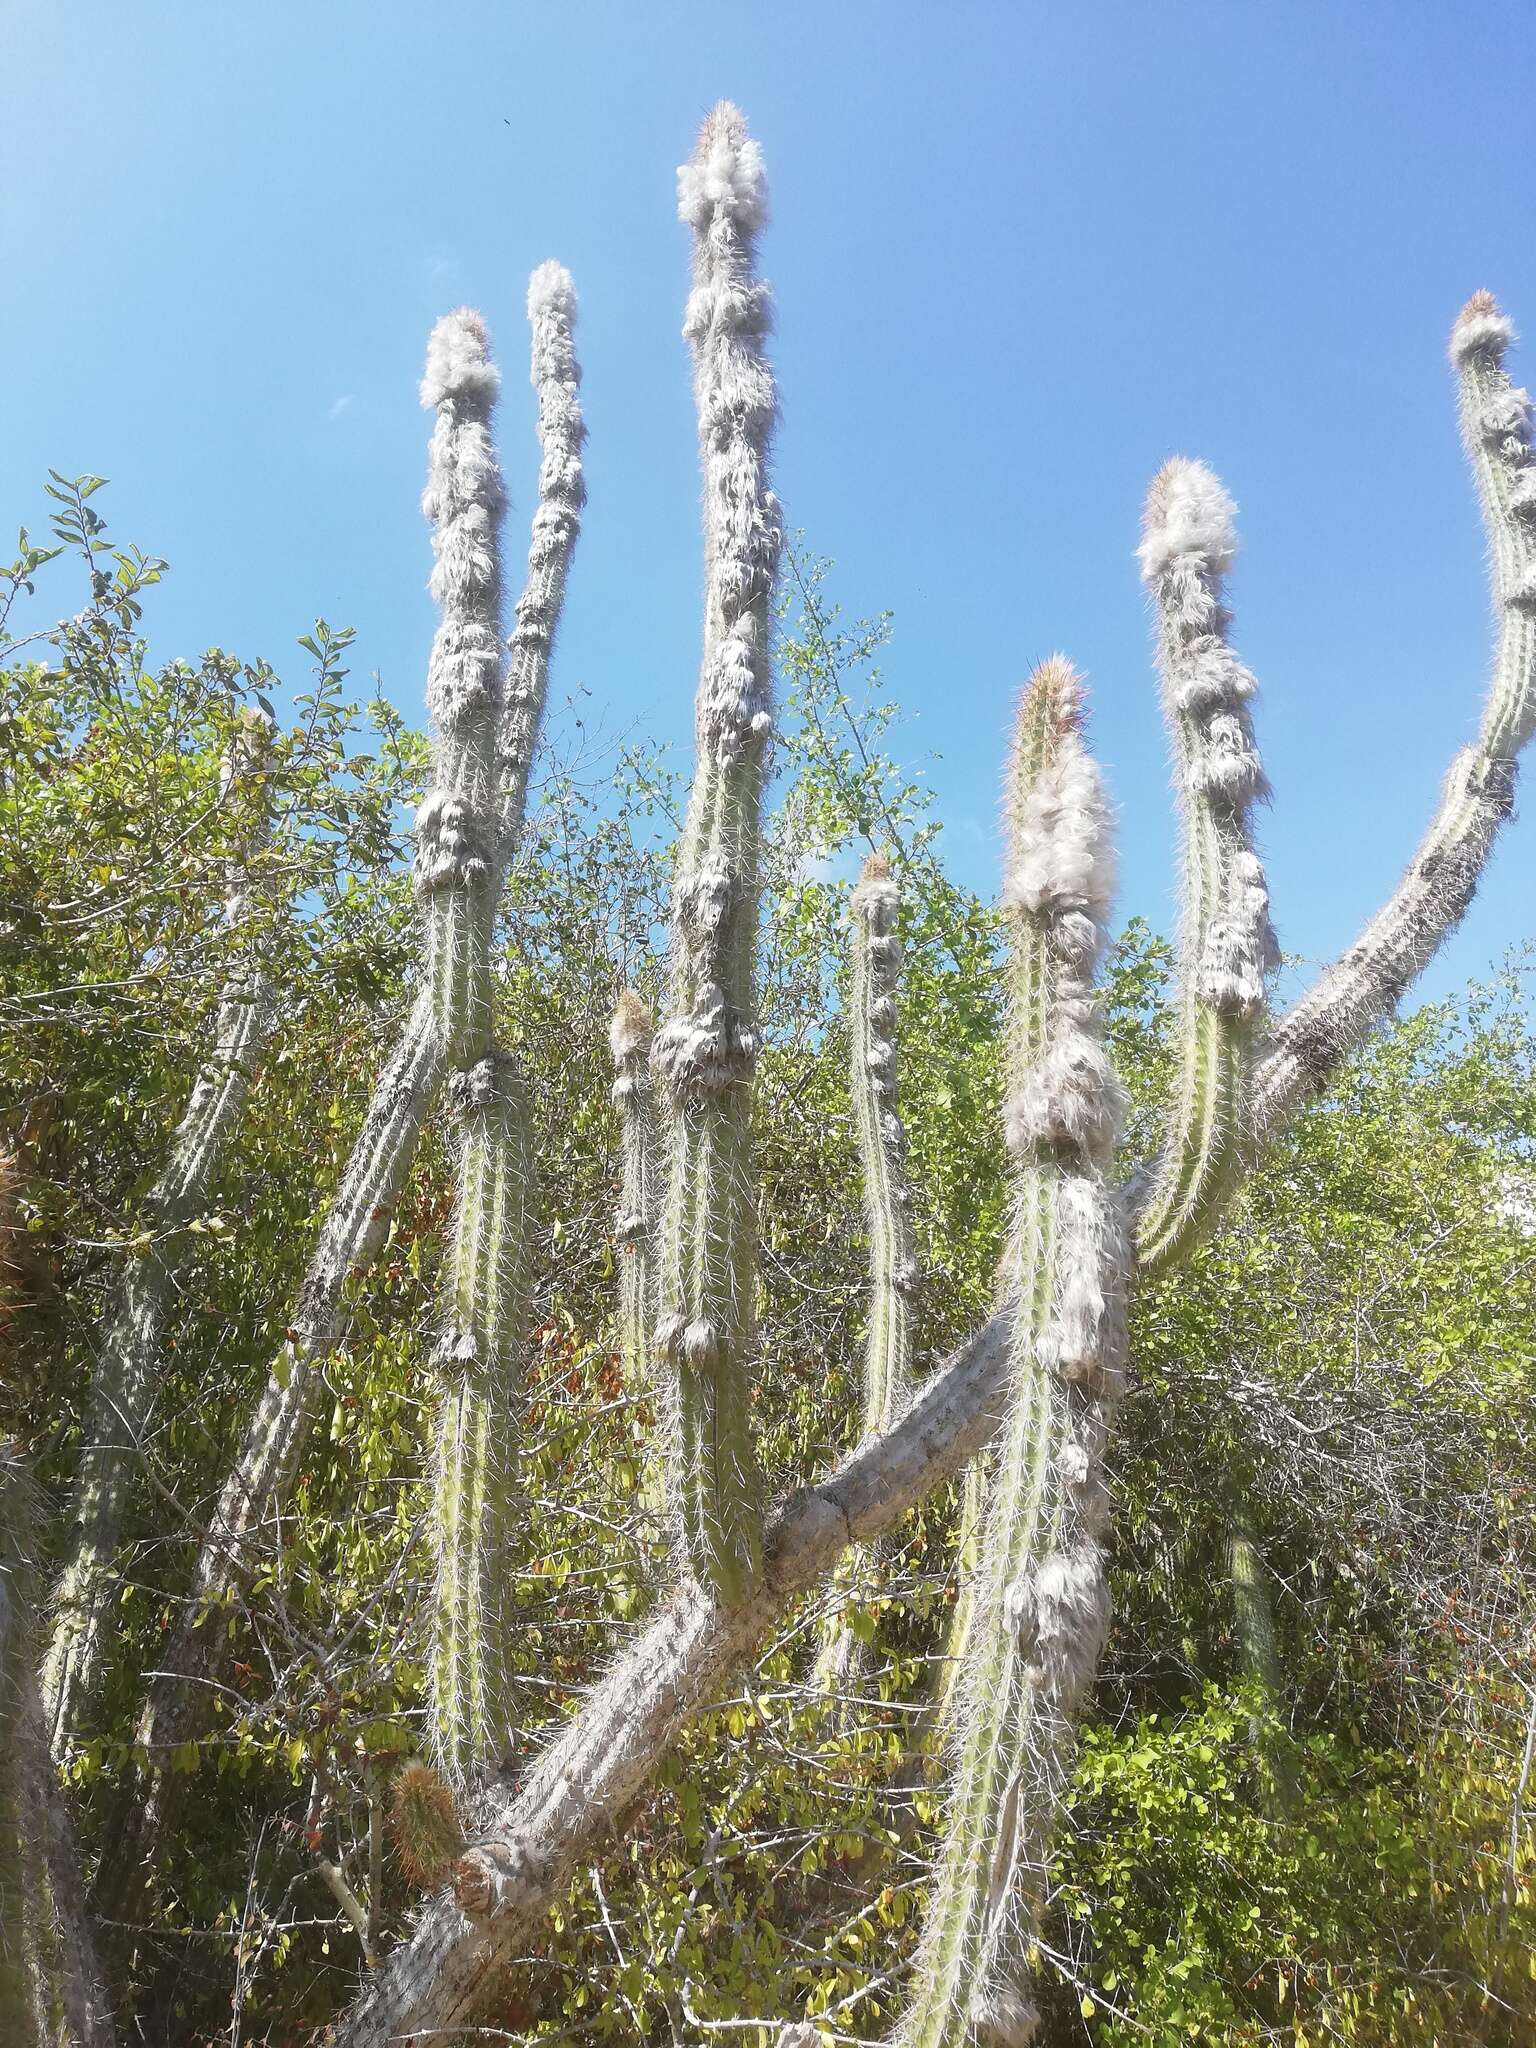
<point x="340" y="407"/>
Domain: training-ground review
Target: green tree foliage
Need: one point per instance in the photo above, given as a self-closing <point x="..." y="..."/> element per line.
<point x="1351" y="1356"/>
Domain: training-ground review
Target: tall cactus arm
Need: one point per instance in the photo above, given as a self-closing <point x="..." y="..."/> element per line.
<point x="562" y="491"/>
<point x="1040" y="1600"/>
<point x="882" y="1140"/>
<point x="124" y="1385"/>
<point x="630" y="1039"/>
<point x="1441" y="879"/>
<point x="50" y="1990"/>
<point x="457" y="825"/>
<point x="874" y="980"/>
<point x="706" y="1051"/>
<point x="476" y="1362"/>
<point x="1228" y="947"/>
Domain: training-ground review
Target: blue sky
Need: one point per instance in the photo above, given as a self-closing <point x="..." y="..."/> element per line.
<point x="1021" y="254"/>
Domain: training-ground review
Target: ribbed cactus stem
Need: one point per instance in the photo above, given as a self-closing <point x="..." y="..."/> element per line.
<point x="630" y="1038"/>
<point x="706" y="1050"/>
<point x="556" y="379"/>
<point x="126" y="1380"/>
<point x="457" y="827"/>
<point x="50" y="1991"/>
<point x="874" y="985"/>
<point x="1228" y="946"/>
<point x="1479" y="793"/>
<point x="1041" y="1607"/>
<point x="1253" y="1618"/>
<point x="485" y="1292"/>
<point x="264" y="1469"/>
<point x="882" y="1140"/>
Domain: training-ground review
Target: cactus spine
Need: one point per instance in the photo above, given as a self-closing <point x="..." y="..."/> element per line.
<point x="50" y="1993"/>
<point x="706" y="1051"/>
<point x="1479" y="792"/>
<point x="1187" y="547"/>
<point x="874" y="979"/>
<point x="124" y="1385"/>
<point x="1041" y="1608"/>
<point x="629" y="1039"/>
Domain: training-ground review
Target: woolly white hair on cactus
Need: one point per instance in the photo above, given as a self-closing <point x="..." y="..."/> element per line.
<point x="725" y="177"/>
<point x="1038" y="1601"/>
<point x="455" y="826"/>
<point x="706" y="1049"/>
<point x="1188" y="545"/>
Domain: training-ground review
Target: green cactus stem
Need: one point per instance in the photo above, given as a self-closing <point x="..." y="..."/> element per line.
<point x="126" y="1380"/>
<point x="50" y="1990"/>
<point x="263" y="1472"/>
<point x="476" y="1361"/>
<point x="456" y="826"/>
<point x="706" y="1050"/>
<point x="1040" y="1601"/>
<point x="630" y="1039"/>
<point x="1228" y="946"/>
<point x="556" y="379"/>
<point x="874" y="981"/>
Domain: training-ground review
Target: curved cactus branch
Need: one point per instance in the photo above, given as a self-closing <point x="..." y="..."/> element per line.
<point x="1228" y="947"/>
<point x="1040" y="1609"/>
<point x="125" y="1383"/>
<point x="874" y="982"/>
<point x="538" y="1828"/>
<point x="50" y="1990"/>
<point x="706" y="1051"/>
<point x="1362" y="986"/>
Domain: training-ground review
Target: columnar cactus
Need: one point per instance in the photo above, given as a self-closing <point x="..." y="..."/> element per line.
<point x="408" y="1085"/>
<point x="1186" y="549"/>
<point x="485" y="1287"/>
<point x="1253" y="1619"/>
<point x="456" y="826"/>
<point x="1479" y="793"/>
<point x="874" y="982"/>
<point x="706" y="1050"/>
<point x="630" y="1038"/>
<point x="556" y="379"/>
<point x="125" y="1382"/>
<point x="1038" y="1381"/>
<point x="1041" y="1607"/>
<point x="50" y="1992"/>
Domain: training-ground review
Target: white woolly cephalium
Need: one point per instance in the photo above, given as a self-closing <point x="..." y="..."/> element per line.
<point x="1228" y="947"/>
<point x="706" y="1049"/>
